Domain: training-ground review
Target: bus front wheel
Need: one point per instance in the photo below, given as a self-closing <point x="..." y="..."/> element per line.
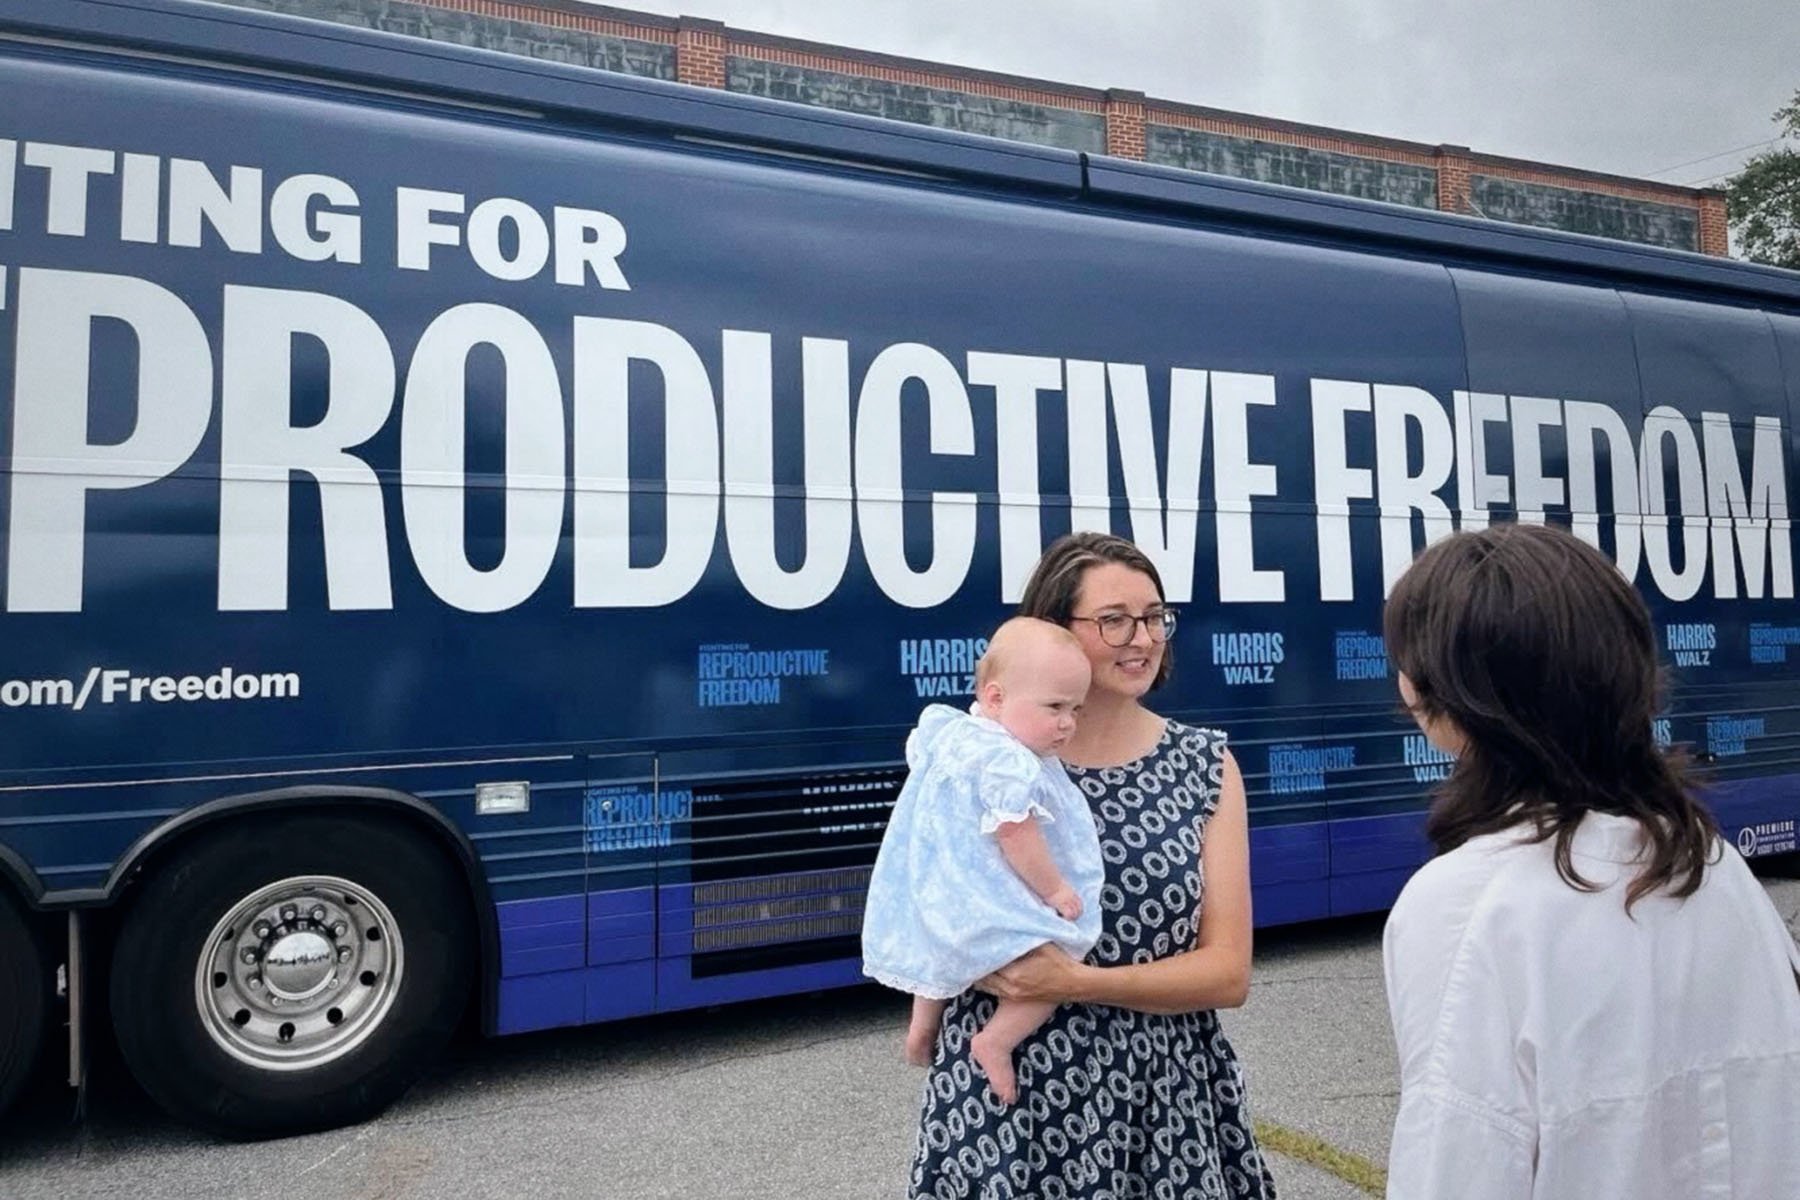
<point x="24" y="999"/>
<point x="291" y="973"/>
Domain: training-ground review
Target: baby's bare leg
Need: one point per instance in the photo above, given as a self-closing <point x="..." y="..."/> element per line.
<point x="922" y="1032"/>
<point x="1013" y="1021"/>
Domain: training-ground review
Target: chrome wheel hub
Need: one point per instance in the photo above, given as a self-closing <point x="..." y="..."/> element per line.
<point x="299" y="966"/>
<point x="299" y="973"/>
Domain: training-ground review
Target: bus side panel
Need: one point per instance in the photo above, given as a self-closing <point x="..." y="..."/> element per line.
<point x="1763" y="815"/>
<point x="1722" y="595"/>
<point x="578" y="944"/>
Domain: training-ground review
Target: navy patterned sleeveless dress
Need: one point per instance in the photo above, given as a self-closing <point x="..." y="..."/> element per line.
<point x="1113" y="1104"/>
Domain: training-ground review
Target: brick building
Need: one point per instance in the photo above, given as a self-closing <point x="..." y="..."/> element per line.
<point x="1117" y="122"/>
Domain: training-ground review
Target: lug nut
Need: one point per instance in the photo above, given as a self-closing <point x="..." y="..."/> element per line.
<point x="289" y="912"/>
<point x="256" y="983"/>
<point x="262" y="929"/>
<point x="339" y="929"/>
<point x="317" y="915"/>
<point x="343" y="954"/>
<point x="249" y="956"/>
<point x="333" y="984"/>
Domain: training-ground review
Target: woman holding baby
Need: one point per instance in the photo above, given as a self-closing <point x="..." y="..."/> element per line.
<point x="1128" y="1087"/>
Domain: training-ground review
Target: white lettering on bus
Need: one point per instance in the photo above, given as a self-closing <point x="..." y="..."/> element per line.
<point x="54" y="465"/>
<point x="261" y="449"/>
<point x="753" y="503"/>
<point x="1017" y="381"/>
<point x="881" y="492"/>
<point x="1686" y="502"/>
<point x="604" y="573"/>
<point x="434" y="461"/>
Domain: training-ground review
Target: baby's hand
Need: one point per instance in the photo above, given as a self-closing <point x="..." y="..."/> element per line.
<point x="1066" y="903"/>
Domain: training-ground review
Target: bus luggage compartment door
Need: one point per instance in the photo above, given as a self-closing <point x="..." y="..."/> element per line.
<point x="628" y="821"/>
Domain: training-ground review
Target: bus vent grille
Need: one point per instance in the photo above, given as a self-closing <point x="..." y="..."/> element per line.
<point x="771" y="933"/>
<point x="775" y="887"/>
<point x="772" y="910"/>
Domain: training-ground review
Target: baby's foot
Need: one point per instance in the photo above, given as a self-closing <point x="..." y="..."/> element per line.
<point x="921" y="1040"/>
<point x="996" y="1061"/>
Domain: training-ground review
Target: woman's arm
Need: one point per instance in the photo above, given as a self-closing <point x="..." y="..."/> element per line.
<point x="1214" y="974"/>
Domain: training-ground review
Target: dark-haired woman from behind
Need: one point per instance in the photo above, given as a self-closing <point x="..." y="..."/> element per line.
<point x="1591" y="993"/>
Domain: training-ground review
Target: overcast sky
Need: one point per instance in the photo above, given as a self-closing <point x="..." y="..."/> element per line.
<point x="1635" y="87"/>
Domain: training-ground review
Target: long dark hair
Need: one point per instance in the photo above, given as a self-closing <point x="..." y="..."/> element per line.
<point x="1543" y="657"/>
<point x="1055" y="585"/>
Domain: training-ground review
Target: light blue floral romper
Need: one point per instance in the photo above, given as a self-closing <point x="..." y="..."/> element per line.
<point x="944" y="907"/>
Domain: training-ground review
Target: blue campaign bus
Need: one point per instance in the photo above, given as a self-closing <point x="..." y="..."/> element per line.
<point x="474" y="532"/>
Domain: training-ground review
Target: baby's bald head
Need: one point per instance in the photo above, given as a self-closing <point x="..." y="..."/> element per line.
<point x="1023" y="640"/>
<point x="1032" y="680"/>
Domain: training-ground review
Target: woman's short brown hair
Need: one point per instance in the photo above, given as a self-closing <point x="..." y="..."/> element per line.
<point x="1055" y="585"/>
<point x="1534" y="647"/>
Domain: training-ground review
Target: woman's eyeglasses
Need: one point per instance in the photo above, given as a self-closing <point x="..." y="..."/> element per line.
<point x="1117" y="629"/>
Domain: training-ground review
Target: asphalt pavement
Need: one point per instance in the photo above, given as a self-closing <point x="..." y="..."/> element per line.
<point x="800" y="1097"/>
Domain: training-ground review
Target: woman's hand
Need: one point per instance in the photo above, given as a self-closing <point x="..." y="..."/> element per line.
<point x="1047" y="973"/>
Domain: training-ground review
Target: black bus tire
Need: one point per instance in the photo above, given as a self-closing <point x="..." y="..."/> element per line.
<point x="220" y="995"/>
<point x="24" y="999"/>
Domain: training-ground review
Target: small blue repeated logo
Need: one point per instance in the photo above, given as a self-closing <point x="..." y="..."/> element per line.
<point x="1247" y="657"/>
<point x="1428" y="763"/>
<point x="631" y="817"/>
<point x="941" y="666"/>
<point x="1295" y="767"/>
<point x="1729" y="737"/>
<point x="1769" y="643"/>
<point x="1691" y="645"/>
<point x="1360" y="655"/>
<point x="734" y="674"/>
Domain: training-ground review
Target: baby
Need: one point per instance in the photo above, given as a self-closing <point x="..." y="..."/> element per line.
<point x="991" y="851"/>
